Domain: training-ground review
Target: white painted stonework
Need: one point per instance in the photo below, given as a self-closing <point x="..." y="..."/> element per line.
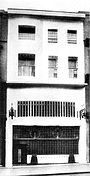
<point x="42" y="49"/>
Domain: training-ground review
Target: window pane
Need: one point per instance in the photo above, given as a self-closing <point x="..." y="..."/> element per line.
<point x="26" y="32"/>
<point x="27" y="29"/>
<point x="73" y="67"/>
<point x="52" y="36"/>
<point x="26" y="65"/>
<point x="52" y="66"/>
<point x="72" y="36"/>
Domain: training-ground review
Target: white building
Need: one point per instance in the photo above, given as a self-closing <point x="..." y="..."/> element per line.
<point x="45" y="87"/>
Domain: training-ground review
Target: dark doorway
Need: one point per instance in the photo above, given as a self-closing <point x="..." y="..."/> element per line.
<point x="20" y="154"/>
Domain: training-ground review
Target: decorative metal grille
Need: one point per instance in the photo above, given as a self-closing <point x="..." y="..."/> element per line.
<point x="43" y="140"/>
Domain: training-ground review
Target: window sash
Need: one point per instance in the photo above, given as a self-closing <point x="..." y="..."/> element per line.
<point x="26" y="32"/>
<point x="26" y="71"/>
<point x="73" y="67"/>
<point x="26" y="65"/>
<point x="72" y="36"/>
<point x="52" y="66"/>
<point x="73" y="73"/>
<point x="26" y="36"/>
<point x="52" y="35"/>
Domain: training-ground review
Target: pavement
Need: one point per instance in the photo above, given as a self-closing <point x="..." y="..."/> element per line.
<point x="49" y="169"/>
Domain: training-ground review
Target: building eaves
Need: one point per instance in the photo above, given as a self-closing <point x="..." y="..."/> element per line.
<point x="47" y="13"/>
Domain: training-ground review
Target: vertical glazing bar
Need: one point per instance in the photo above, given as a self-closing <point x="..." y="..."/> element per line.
<point x="44" y="108"/>
<point x="49" y="109"/>
<point x="52" y="108"/>
<point x="61" y="109"/>
<point x="39" y="108"/>
<point x="22" y="108"/>
<point x="18" y="109"/>
<point x="29" y="109"/>
<point x="33" y="108"/>
<point x="71" y="109"/>
<point x="66" y="109"/>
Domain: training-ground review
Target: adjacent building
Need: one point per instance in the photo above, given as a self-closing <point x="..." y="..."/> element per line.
<point x="3" y="78"/>
<point x="87" y="74"/>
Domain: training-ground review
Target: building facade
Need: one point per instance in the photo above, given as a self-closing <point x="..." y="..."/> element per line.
<point x="42" y="87"/>
<point x="45" y="87"/>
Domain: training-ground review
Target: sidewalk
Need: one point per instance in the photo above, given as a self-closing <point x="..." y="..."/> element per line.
<point x="34" y="170"/>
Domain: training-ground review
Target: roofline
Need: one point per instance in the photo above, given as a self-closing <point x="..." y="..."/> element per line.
<point x="3" y="12"/>
<point x="46" y="13"/>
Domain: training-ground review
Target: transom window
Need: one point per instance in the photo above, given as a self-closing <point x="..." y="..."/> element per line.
<point x="52" y="35"/>
<point x="73" y="67"/>
<point x="52" y="66"/>
<point x="45" y="109"/>
<point x="26" y="64"/>
<point x="72" y="36"/>
<point x="26" y="32"/>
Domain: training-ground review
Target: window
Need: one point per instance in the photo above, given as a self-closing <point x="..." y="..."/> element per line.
<point x="26" y="32"/>
<point x="26" y="65"/>
<point x="45" y="109"/>
<point x="52" y="66"/>
<point x="44" y="140"/>
<point x="52" y="35"/>
<point x="72" y="36"/>
<point x="73" y="67"/>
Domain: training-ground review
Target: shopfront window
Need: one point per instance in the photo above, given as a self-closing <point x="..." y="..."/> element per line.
<point x="44" y="140"/>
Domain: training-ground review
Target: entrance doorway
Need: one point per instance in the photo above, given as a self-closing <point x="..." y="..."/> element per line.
<point x="20" y="154"/>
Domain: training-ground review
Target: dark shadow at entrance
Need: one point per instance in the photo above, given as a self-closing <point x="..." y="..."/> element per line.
<point x="20" y="154"/>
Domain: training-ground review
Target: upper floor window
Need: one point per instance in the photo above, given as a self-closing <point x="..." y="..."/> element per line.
<point x="26" y="32"/>
<point x="52" y="35"/>
<point x="52" y="66"/>
<point x="73" y="67"/>
<point x="72" y="36"/>
<point x="26" y="64"/>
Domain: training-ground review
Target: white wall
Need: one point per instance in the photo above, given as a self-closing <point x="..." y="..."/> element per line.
<point x="42" y="49"/>
<point x="47" y="94"/>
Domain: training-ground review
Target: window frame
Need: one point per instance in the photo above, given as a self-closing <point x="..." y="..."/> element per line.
<point x="52" y="35"/>
<point x="26" y="62"/>
<point x="53" y="66"/>
<point x="26" y="32"/>
<point x="71" y="36"/>
<point x="73" y="70"/>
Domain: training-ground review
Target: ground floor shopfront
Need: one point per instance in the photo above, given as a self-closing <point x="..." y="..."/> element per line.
<point x="47" y="123"/>
<point x="45" y="142"/>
